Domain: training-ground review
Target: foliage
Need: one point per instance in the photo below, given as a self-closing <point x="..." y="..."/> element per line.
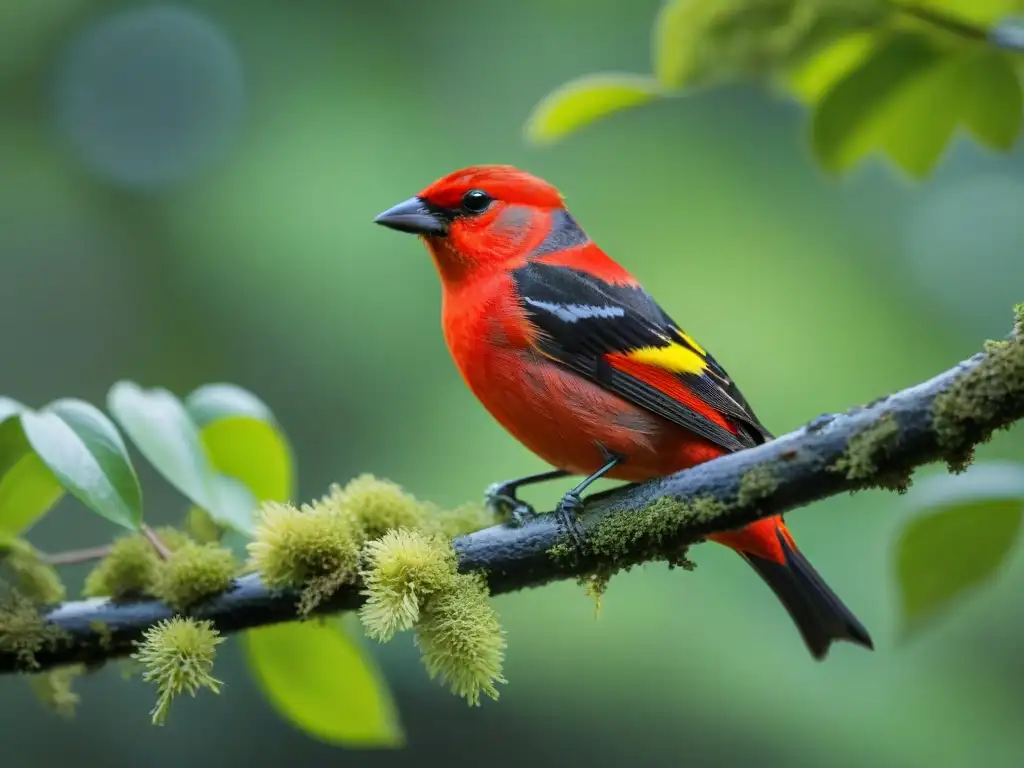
<point x="222" y="448"/>
<point x="966" y="533"/>
<point x="316" y="676"/>
<point x="886" y="77"/>
<point x="76" y="449"/>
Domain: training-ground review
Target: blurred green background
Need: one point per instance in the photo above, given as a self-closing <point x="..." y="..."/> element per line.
<point x="186" y="195"/>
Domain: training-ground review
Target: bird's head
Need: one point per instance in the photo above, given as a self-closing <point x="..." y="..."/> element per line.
<point x="478" y="217"/>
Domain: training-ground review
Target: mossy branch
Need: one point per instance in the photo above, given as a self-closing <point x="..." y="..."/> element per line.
<point x="877" y="445"/>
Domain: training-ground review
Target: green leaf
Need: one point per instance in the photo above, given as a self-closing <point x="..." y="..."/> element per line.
<point x="28" y="489"/>
<point x="13" y="444"/>
<point x="237" y="542"/>
<point x="585" y="100"/>
<point x="323" y="682"/>
<point x="908" y="99"/>
<point x="967" y="534"/>
<point x="979" y="13"/>
<point x="993" y="107"/>
<point x="243" y="440"/>
<point x="678" y="29"/>
<point x="9" y="407"/>
<point x="211" y="402"/>
<point x="815" y="76"/>
<point x="699" y="42"/>
<point x="881" y="99"/>
<point x="87" y="456"/>
<point x="158" y="424"/>
<point x="234" y="505"/>
<point x="246" y="447"/>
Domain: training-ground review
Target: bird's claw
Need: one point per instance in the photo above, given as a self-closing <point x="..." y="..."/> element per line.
<point x="566" y="515"/>
<point x="501" y="499"/>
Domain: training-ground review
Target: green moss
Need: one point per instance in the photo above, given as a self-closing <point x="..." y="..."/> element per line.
<point x="620" y="541"/>
<point x="171" y="537"/>
<point x="102" y="630"/>
<point x="464" y="519"/>
<point x="596" y="584"/>
<point x="987" y="398"/>
<point x="24" y="631"/>
<point x="314" y="548"/>
<point x="461" y="639"/>
<point x="404" y="569"/>
<point x="867" y="450"/>
<point x="25" y="568"/>
<point x="757" y="484"/>
<point x="628" y="538"/>
<point x="194" y="572"/>
<point x="412" y="581"/>
<point x="177" y="655"/>
<point x="128" y="571"/>
<point x="54" y="689"/>
<point x="379" y="506"/>
<point x="132" y="567"/>
<point x="401" y="548"/>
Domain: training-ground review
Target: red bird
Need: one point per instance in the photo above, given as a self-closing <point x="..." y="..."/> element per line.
<point x="577" y="361"/>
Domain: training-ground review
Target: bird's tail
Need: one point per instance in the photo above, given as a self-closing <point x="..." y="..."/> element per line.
<point x="817" y="612"/>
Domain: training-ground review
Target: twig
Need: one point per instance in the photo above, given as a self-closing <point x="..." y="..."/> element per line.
<point x="76" y="556"/>
<point x="943" y="418"/>
<point x="999" y="36"/>
<point x="154" y="539"/>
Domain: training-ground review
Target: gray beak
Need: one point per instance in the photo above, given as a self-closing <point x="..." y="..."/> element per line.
<point x="413" y="216"/>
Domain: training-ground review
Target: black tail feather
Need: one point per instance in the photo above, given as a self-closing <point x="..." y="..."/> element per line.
<point x="818" y="613"/>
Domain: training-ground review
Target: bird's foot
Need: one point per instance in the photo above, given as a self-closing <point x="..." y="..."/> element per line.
<point x="501" y="499"/>
<point x="566" y="515"/>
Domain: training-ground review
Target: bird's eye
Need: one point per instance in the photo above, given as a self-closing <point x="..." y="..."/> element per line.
<point x="476" y="201"/>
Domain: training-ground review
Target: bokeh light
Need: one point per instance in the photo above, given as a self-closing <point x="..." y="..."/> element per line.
<point x="149" y="96"/>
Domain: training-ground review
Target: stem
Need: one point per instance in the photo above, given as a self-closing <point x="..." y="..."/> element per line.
<point x="76" y="556"/>
<point x="154" y="539"/>
<point x="959" y="27"/>
<point x="941" y="20"/>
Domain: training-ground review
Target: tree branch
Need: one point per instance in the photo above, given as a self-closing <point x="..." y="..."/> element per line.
<point x="1007" y="36"/>
<point x="877" y="445"/>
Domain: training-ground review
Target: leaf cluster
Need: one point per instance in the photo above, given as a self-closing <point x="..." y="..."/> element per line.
<point x="881" y="77"/>
<point x="224" y="451"/>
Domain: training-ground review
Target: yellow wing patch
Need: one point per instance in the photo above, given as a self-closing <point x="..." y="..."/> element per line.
<point x="674" y="357"/>
<point x="689" y="340"/>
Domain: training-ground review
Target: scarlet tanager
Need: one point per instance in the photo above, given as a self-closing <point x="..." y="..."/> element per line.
<point x="575" y="359"/>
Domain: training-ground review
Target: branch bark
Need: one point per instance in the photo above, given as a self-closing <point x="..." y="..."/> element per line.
<point x="877" y="445"/>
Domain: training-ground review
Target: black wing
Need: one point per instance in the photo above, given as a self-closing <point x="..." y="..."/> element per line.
<point x="583" y="319"/>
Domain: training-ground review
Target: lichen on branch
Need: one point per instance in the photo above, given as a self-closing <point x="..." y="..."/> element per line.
<point x="877" y="445"/>
<point x="177" y="656"/>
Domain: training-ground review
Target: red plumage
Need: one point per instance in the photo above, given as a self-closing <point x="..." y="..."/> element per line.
<point x="545" y="329"/>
